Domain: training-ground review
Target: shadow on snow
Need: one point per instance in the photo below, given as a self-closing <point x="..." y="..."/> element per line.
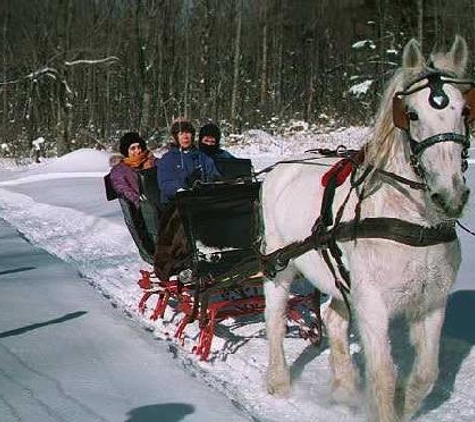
<point x="168" y="412"/>
<point x="458" y="337"/>
<point x="31" y="327"/>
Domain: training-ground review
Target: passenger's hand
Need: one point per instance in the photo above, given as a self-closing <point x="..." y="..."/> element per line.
<point x="193" y="177"/>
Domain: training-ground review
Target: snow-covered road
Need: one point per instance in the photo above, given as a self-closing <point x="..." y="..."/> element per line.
<point x="67" y="355"/>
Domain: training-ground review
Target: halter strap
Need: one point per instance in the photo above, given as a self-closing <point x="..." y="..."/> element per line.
<point x="418" y="147"/>
<point x="436" y="79"/>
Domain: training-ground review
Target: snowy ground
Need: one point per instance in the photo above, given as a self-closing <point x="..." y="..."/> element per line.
<point x="66" y="355"/>
<point x="60" y="206"/>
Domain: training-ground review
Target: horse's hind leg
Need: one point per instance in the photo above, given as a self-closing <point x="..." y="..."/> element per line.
<point x="277" y="293"/>
<point x="425" y="335"/>
<point x="345" y="378"/>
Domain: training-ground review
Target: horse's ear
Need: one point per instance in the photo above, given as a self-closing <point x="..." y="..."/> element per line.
<point x="412" y="55"/>
<point x="458" y="54"/>
<point x="400" y="118"/>
<point x="470" y="100"/>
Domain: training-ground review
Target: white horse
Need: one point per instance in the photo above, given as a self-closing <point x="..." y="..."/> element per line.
<point x="412" y="172"/>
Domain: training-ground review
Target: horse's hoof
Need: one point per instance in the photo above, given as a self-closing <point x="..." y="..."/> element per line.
<point x="278" y="390"/>
<point x="278" y="386"/>
<point x="343" y="394"/>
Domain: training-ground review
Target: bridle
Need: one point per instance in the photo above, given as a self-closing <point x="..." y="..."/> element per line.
<point x="439" y="100"/>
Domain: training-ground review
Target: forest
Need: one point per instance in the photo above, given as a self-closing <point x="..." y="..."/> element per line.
<point x="78" y="73"/>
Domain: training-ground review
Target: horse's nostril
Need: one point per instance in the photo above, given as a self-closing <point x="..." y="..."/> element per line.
<point x="451" y="207"/>
<point x="438" y="199"/>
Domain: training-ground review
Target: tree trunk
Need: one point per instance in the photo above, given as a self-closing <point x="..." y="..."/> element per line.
<point x="65" y="98"/>
<point x="204" y="104"/>
<point x="187" y="100"/>
<point x="236" y="63"/>
<point x="420" y="21"/>
<point x="264" y="76"/>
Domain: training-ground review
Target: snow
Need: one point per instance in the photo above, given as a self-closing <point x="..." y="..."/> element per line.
<point x="364" y="43"/>
<point x="360" y="88"/>
<point x="60" y="206"/>
<point x="37" y="143"/>
<point x="67" y="355"/>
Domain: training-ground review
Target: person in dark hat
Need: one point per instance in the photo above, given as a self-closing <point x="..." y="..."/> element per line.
<point x="209" y="138"/>
<point x="179" y="130"/>
<point x="134" y="156"/>
<point x="183" y="164"/>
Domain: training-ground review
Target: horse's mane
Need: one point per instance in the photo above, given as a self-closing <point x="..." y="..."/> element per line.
<point x="383" y="137"/>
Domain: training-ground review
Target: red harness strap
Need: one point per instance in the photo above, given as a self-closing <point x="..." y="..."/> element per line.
<point x="342" y="169"/>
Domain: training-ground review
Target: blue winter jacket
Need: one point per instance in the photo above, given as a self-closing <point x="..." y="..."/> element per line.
<point x="178" y="169"/>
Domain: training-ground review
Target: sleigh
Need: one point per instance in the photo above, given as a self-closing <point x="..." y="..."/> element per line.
<point x="222" y="278"/>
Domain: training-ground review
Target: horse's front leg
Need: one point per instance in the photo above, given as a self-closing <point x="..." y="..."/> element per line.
<point x="373" y="322"/>
<point x="345" y="378"/>
<point x="277" y="293"/>
<point x="425" y="336"/>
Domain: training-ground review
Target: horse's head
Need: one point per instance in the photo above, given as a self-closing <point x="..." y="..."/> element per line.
<point x="434" y="109"/>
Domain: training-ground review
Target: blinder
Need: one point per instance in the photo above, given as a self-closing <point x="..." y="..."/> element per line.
<point x="470" y="101"/>
<point x="400" y="117"/>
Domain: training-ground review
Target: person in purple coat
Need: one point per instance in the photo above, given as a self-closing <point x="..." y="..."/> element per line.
<point x="134" y="157"/>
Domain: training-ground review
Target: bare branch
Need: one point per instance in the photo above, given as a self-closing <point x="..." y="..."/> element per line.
<point x="48" y="71"/>
<point x="98" y="61"/>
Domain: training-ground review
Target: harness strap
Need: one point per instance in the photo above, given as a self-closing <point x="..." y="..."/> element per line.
<point x="344" y="289"/>
<point x="411" y="183"/>
<point x="397" y="230"/>
<point x="326" y="212"/>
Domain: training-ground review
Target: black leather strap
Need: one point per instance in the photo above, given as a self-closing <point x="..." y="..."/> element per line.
<point x="394" y="229"/>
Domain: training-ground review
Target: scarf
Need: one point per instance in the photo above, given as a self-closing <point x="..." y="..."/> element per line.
<point x="145" y="160"/>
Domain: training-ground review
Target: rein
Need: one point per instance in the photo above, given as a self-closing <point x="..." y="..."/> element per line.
<point x="411" y="183"/>
<point x="308" y="161"/>
<point x="341" y="151"/>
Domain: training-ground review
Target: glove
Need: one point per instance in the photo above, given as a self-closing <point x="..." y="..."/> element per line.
<point x="193" y="177"/>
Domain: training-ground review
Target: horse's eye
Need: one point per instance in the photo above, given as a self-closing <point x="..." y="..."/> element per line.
<point x="412" y="115"/>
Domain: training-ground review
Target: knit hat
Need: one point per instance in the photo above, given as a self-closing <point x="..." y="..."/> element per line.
<point x="128" y="139"/>
<point x="210" y="129"/>
<point x="181" y="125"/>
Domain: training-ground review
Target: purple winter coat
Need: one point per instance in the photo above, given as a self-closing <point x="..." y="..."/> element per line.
<point x="125" y="182"/>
